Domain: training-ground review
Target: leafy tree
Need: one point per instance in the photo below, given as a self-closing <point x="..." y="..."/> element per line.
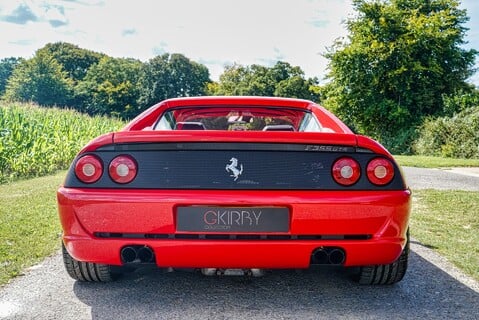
<point x="74" y="60"/>
<point x="111" y="88"/>
<point x="234" y="81"/>
<point x="169" y="76"/>
<point x="297" y="87"/>
<point x="400" y="58"/>
<point x="41" y="80"/>
<point x="7" y="65"/>
<point x="281" y="80"/>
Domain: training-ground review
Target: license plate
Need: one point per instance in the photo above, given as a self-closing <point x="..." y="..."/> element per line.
<point x="232" y="219"/>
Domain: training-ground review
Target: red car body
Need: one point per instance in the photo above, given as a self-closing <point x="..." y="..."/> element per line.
<point x="199" y="208"/>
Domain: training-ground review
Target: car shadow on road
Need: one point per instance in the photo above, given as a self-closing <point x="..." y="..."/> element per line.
<point x="426" y="292"/>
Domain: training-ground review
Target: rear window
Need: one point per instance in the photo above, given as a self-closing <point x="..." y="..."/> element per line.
<point x="238" y="118"/>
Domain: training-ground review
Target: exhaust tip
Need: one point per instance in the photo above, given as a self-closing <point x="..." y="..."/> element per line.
<point x="145" y="254"/>
<point x="320" y="256"/>
<point x="328" y="255"/>
<point x="137" y="254"/>
<point x="336" y="256"/>
<point x="128" y="254"/>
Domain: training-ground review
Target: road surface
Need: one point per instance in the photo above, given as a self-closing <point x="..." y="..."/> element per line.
<point x="442" y="179"/>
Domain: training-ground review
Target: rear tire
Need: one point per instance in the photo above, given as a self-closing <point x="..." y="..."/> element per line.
<point x="87" y="271"/>
<point x="388" y="273"/>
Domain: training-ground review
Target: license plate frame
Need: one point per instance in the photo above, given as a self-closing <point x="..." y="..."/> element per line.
<point x="217" y="219"/>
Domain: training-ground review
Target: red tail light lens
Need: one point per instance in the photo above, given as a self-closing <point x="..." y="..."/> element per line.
<point x="88" y="169"/>
<point x="346" y="171"/>
<point x="123" y="169"/>
<point x="380" y="171"/>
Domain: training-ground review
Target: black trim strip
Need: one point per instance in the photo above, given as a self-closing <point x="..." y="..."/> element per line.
<point x="194" y="236"/>
<point x="222" y="146"/>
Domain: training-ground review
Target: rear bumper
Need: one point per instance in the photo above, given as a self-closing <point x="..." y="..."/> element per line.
<point x="241" y="254"/>
<point x="138" y="214"/>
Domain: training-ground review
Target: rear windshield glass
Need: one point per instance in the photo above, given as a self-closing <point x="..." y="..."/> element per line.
<point x="238" y="118"/>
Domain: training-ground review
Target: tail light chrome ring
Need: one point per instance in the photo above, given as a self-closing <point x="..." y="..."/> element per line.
<point x="123" y="169"/>
<point x="346" y="171"/>
<point x="380" y="171"/>
<point x="88" y="168"/>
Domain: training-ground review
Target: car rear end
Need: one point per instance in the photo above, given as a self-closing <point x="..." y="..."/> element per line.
<point x="292" y="205"/>
<point x="235" y="184"/>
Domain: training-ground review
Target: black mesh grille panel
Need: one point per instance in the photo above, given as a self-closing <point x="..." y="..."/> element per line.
<point x="244" y="169"/>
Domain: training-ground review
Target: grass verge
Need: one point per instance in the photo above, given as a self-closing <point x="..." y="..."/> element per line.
<point x="447" y="221"/>
<point x="29" y="225"/>
<point x="435" y="162"/>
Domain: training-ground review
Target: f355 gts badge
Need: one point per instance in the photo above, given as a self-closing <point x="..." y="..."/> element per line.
<point x="234" y="169"/>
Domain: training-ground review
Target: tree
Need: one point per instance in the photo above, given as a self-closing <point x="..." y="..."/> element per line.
<point x="234" y="81"/>
<point x="297" y="87"/>
<point x="281" y="80"/>
<point x="111" y="88"/>
<point x="74" y="60"/>
<point x="400" y="58"/>
<point x="169" y="76"/>
<point x="7" y="65"/>
<point x="41" y="80"/>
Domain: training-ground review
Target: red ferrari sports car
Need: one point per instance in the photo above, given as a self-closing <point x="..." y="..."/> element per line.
<point x="235" y="185"/>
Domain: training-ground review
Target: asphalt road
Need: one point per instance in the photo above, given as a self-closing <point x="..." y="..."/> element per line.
<point x="432" y="289"/>
<point x="442" y="179"/>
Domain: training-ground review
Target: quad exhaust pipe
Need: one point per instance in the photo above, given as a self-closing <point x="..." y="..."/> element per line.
<point x="137" y="254"/>
<point x="320" y="256"/>
<point x="328" y="255"/>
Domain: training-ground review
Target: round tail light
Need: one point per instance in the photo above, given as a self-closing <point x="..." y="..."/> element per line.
<point x="88" y="169"/>
<point x="346" y="171"/>
<point x="380" y="171"/>
<point x="123" y="169"/>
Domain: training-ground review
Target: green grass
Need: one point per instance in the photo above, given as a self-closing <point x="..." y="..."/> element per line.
<point x="35" y="141"/>
<point x="448" y="222"/>
<point x="435" y="162"/>
<point x="29" y="225"/>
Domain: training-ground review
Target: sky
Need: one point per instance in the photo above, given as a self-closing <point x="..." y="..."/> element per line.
<point x="215" y="33"/>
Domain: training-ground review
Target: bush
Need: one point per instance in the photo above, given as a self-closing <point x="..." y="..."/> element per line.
<point x="453" y="137"/>
<point x="401" y="142"/>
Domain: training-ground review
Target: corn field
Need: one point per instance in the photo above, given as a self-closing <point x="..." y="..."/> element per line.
<point x="36" y="141"/>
